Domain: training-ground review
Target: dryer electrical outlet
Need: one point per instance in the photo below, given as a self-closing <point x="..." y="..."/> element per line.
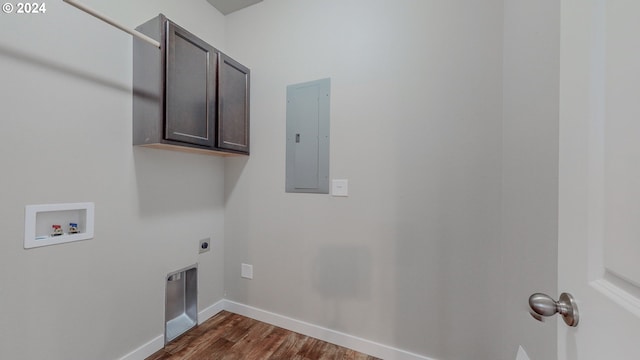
<point x="204" y="246"/>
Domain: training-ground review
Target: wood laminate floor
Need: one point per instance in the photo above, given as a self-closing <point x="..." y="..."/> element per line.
<point x="228" y="336"/>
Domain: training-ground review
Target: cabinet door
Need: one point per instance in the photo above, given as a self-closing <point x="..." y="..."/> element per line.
<point x="233" y="103"/>
<point x="190" y="88"/>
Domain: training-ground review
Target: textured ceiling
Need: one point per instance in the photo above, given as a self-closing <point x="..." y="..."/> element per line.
<point x="229" y="6"/>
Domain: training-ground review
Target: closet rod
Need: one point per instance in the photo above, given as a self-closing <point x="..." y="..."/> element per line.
<point x="113" y="23"/>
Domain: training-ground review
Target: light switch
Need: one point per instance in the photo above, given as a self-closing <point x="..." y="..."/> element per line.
<point x="340" y="187"/>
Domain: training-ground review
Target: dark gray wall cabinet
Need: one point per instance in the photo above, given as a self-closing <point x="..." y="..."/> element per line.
<point x="187" y="95"/>
<point x="233" y="105"/>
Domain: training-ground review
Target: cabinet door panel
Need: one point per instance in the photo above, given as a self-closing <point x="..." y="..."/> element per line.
<point x="190" y="89"/>
<point x="233" y="102"/>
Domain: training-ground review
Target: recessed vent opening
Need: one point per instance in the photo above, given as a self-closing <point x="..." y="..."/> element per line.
<point x="181" y="308"/>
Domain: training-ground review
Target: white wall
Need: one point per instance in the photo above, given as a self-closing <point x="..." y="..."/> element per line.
<point x="411" y="258"/>
<point x="65" y="100"/>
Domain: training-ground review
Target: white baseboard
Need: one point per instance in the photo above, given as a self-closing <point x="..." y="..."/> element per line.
<point x="335" y="337"/>
<point x="146" y="350"/>
<point x="157" y="343"/>
<point x="209" y="312"/>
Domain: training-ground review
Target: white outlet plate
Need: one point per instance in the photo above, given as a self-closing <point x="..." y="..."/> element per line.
<point x="246" y="271"/>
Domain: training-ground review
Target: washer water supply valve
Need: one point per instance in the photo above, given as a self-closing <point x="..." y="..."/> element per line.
<point x="73" y="228"/>
<point x="57" y="230"/>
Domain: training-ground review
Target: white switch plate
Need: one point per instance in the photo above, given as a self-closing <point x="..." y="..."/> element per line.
<point x="340" y="187"/>
<point x="246" y="271"/>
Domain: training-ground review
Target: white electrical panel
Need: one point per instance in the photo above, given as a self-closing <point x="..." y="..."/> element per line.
<point x="307" y="153"/>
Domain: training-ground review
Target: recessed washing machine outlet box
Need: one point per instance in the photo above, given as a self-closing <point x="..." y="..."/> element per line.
<point x="52" y="224"/>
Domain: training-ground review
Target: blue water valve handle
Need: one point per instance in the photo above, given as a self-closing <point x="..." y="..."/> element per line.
<point x="73" y="228"/>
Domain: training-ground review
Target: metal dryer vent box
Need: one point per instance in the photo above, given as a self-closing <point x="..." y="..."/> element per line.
<point x="181" y="306"/>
